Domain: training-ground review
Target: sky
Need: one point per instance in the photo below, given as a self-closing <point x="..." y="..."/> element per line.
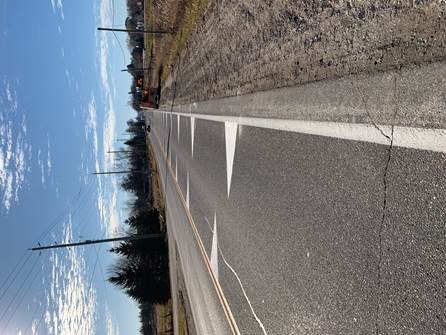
<point x="63" y="104"/>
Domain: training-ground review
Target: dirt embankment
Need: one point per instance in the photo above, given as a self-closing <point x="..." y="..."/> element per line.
<point x="244" y="46"/>
<point x="179" y="19"/>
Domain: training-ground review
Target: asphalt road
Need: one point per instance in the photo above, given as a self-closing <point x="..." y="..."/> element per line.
<point x="320" y="235"/>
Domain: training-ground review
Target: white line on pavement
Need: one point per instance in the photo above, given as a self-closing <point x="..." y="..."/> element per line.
<point x="214" y="248"/>
<point x="407" y="137"/>
<point x="178" y="127"/>
<point x="176" y="168"/>
<point x="187" y="190"/>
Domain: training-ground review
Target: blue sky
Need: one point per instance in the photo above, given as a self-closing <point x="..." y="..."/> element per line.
<point x="63" y="103"/>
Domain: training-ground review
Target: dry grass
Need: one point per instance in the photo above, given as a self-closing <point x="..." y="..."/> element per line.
<point x="192" y="14"/>
<point x="182" y="319"/>
<point x="157" y="193"/>
<point x="163" y="318"/>
<point x="148" y="38"/>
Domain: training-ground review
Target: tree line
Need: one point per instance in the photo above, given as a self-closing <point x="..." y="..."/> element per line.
<point x="142" y="269"/>
<point x="135" y="44"/>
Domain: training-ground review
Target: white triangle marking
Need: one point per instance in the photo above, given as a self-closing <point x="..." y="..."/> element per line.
<point x="230" y="139"/>
<point x="214" y="249"/>
<point x="187" y="191"/>
<point x="192" y="133"/>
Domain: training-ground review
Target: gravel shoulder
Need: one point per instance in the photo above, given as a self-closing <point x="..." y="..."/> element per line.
<point x="245" y="46"/>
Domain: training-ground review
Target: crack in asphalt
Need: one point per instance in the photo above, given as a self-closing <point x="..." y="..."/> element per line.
<point x="372" y="121"/>
<point x="384" y="210"/>
<point x="259" y="322"/>
<point x="381" y="229"/>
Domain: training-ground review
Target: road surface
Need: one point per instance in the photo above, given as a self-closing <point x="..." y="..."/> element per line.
<point x="308" y="226"/>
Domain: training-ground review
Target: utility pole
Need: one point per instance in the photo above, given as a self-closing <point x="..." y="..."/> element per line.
<point x="118" y="151"/>
<point x="124" y="151"/>
<point x="142" y="69"/>
<point x="105" y="240"/>
<point x="113" y="172"/>
<point x="118" y="172"/>
<point x="136" y="31"/>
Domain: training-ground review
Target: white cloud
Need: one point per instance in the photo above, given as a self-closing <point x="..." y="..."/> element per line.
<point x="107" y="199"/>
<point x="45" y="165"/>
<point x="111" y="328"/>
<point x="68" y="76"/>
<point x="15" y="152"/>
<point x="8" y="92"/>
<point x="71" y="301"/>
<point x="49" y="163"/>
<point x="113" y="224"/>
<point x="91" y="127"/>
<point x="58" y="8"/>
<point x="11" y="96"/>
<point x="41" y="166"/>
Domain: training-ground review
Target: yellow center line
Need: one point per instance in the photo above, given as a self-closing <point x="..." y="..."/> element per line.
<point x="218" y="288"/>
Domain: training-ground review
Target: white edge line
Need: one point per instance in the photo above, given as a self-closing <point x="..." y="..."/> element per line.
<point x="406" y="137"/>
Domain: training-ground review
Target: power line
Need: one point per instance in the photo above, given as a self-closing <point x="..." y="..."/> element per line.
<point x="57" y="220"/>
<point x="17" y="292"/>
<point x="101" y="270"/>
<point x="44" y="234"/>
<point x="13" y="270"/>
<point x="75" y="204"/>
<point x="19" y="266"/>
<point x="92" y="274"/>
<point x="114" y="34"/>
<point x="19" y="303"/>
<point x="15" y="276"/>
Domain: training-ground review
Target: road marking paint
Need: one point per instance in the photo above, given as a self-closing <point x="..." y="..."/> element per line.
<point x="192" y="133"/>
<point x="178" y="127"/>
<point x="219" y="290"/>
<point x="406" y="137"/>
<point x="187" y="190"/>
<point x="230" y="141"/>
<point x="214" y="249"/>
<point x="238" y="280"/>
<point x="171" y="117"/>
<point x="244" y="293"/>
<point x="176" y="168"/>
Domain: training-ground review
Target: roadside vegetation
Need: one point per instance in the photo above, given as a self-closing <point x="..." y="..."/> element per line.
<point x="142" y="269"/>
<point x="135" y="45"/>
<point x="192" y="13"/>
<point x="157" y="53"/>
